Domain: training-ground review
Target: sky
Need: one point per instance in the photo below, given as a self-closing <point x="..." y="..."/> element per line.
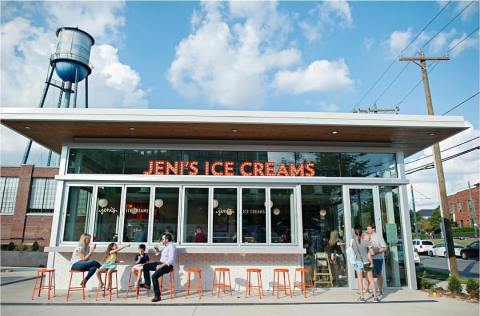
<point x="273" y="56"/>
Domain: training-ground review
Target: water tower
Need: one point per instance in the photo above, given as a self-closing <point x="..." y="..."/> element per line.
<point x="71" y="63"/>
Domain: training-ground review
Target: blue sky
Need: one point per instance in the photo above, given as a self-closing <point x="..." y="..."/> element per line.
<point x="284" y="56"/>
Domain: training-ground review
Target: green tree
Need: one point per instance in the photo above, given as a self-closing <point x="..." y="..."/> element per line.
<point x="435" y="220"/>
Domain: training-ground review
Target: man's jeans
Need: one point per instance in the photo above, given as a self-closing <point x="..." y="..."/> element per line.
<point x="152" y="266"/>
<point x="91" y="266"/>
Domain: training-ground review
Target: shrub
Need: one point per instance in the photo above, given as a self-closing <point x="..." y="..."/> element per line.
<point x="454" y="285"/>
<point x="11" y="246"/>
<point x="426" y="284"/>
<point x="35" y="246"/>
<point x="473" y="288"/>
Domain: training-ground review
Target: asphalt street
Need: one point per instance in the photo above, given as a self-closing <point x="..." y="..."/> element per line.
<point x="466" y="268"/>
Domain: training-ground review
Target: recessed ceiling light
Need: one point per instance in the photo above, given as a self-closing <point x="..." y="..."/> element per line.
<point x="131" y="128"/>
<point x="334" y="132"/>
<point x="28" y="127"/>
<point x="235" y="130"/>
<point x="432" y="134"/>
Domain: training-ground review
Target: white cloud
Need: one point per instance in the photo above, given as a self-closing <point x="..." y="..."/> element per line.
<point x="320" y="75"/>
<point x="458" y="171"/>
<point x="325" y="17"/>
<point x="226" y="62"/>
<point x="368" y="43"/>
<point x="26" y="48"/>
<point x="467" y="43"/>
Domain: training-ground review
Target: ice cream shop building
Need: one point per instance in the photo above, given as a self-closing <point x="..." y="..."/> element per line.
<point x="236" y="189"/>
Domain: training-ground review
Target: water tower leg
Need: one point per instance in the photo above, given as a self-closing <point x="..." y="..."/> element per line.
<point x="45" y="90"/>
<point x="76" y="87"/>
<point x="68" y="89"/>
<point x="27" y="152"/>
<point x="49" y="158"/>
<point x="59" y="104"/>
<point x="86" y="92"/>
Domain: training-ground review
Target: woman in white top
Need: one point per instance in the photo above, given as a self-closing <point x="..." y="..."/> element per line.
<point x="81" y="258"/>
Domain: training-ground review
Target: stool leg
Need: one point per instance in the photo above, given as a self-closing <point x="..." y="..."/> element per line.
<point x="49" y="284"/>
<point x="69" y="285"/>
<point x="172" y="285"/>
<point x="200" y="283"/>
<point x="34" y="286"/>
<point x="128" y="284"/>
<point x="218" y="284"/>
<point x="247" y="285"/>
<point x="54" y="285"/>
<point x="304" y="285"/>
<point x="229" y="283"/>
<point x="188" y="283"/>
<point x="259" y="284"/>
<point x="41" y="284"/>
<point x="295" y="281"/>
<point x="289" y="284"/>
<point x="84" y="285"/>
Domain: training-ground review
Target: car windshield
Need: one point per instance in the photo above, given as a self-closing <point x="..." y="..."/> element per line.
<point x="474" y="245"/>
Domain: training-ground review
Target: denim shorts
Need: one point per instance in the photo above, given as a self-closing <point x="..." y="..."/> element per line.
<point x="377" y="266"/>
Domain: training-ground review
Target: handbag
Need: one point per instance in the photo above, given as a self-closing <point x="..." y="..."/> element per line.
<point x="364" y="265"/>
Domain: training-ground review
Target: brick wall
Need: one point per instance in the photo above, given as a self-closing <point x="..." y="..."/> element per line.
<point x="458" y="204"/>
<point x="21" y="227"/>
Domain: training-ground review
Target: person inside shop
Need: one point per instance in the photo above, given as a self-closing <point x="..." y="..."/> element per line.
<point x="168" y="256"/>
<point x="81" y="258"/>
<point x="199" y="235"/>
<point x="140" y="234"/>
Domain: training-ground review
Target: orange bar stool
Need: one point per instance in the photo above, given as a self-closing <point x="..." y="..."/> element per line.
<point x="130" y="286"/>
<point x="219" y="281"/>
<point x="199" y="282"/>
<point x="171" y="285"/>
<point x="110" y="284"/>
<point x="259" y="285"/>
<point x="303" y="283"/>
<point x="50" y="272"/>
<point x="76" y="288"/>
<point x="276" y="281"/>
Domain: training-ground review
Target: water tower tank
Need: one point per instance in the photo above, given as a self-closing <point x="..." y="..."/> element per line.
<point x="72" y="56"/>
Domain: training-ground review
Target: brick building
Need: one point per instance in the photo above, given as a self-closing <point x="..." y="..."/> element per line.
<point x="459" y="208"/>
<point x="27" y="198"/>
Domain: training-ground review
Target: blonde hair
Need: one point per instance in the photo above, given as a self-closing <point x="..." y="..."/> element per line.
<point x="333" y="238"/>
<point x="82" y="240"/>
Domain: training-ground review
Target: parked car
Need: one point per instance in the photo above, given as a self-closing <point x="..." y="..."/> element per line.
<point x="416" y="257"/>
<point x="471" y="251"/>
<point x="422" y="245"/>
<point x="439" y="250"/>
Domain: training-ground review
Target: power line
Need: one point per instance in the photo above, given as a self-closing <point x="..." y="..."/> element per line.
<point x="464" y="101"/>
<point x="395" y="59"/>
<point x="460" y="42"/>
<point x="449" y="22"/>
<point x="431" y="165"/>
<point x="392" y="82"/>
<point x="457" y="145"/>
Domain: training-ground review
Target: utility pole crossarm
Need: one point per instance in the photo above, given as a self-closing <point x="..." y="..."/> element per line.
<point x="423" y="58"/>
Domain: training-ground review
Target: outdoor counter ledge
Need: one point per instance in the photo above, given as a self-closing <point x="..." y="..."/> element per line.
<point x="191" y="249"/>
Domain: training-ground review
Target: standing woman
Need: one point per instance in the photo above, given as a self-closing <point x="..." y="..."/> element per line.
<point x="81" y="258"/>
<point x="362" y="264"/>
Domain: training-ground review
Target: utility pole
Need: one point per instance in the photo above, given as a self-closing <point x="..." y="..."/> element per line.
<point x="421" y="61"/>
<point x="472" y="210"/>
<point x="414" y="212"/>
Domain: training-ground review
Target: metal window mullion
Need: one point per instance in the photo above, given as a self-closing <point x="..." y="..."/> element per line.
<point x="210" y="217"/>
<point x="268" y="217"/>
<point x="93" y="211"/>
<point x="181" y="197"/>
<point x="151" y="210"/>
<point x="123" y="203"/>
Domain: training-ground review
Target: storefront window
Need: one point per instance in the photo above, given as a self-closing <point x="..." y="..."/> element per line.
<point x="107" y="214"/>
<point x="324" y="235"/>
<point x="281" y="215"/>
<point x="253" y="215"/>
<point x="175" y="162"/>
<point x="392" y="233"/>
<point x="137" y="207"/>
<point x="224" y="215"/>
<point x="195" y="227"/>
<point x="165" y="216"/>
<point x="78" y="212"/>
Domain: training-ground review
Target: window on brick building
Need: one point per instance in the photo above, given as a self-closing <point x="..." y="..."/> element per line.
<point x="8" y="194"/>
<point x="459" y="207"/>
<point x="42" y="195"/>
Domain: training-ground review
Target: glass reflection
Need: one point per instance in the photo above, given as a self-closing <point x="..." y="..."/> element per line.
<point x="137" y="207"/>
<point x="165" y="215"/>
<point x="224" y="215"/>
<point x="281" y="212"/>
<point x="324" y="235"/>
<point x="253" y="216"/>
<point x="107" y="214"/>
<point x="78" y="212"/>
<point x="195" y="228"/>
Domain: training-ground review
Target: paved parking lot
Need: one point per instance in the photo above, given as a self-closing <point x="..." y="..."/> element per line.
<point x="466" y="268"/>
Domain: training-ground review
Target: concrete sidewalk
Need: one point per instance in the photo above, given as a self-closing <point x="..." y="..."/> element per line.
<point x="16" y="300"/>
<point x="9" y="275"/>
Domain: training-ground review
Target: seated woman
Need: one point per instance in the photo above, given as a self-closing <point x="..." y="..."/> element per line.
<point x="81" y="258"/>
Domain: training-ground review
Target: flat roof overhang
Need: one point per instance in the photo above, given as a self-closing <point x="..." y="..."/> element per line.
<point x="54" y="127"/>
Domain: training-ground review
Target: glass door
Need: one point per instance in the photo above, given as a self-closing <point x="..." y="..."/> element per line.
<point x="362" y="208"/>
